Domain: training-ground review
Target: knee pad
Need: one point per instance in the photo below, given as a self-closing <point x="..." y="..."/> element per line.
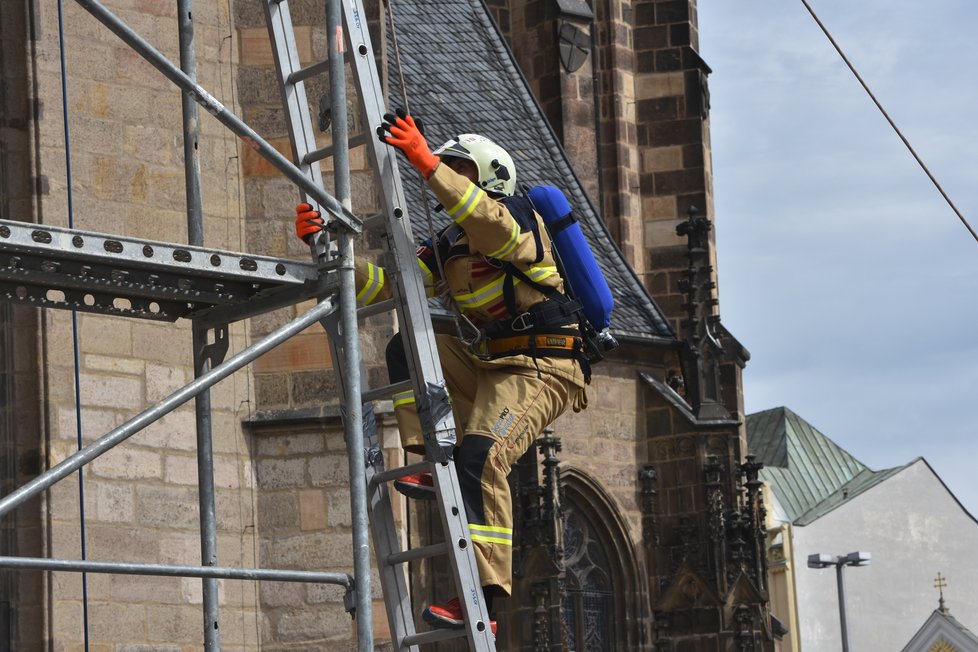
<point x="397" y="366"/>
<point x="470" y="460"/>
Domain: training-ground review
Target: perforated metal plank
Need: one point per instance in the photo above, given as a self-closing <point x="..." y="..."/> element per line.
<point x="55" y="267"/>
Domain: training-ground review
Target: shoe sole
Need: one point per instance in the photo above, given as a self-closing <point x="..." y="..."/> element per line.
<point x="415" y="491"/>
<point x="442" y="622"/>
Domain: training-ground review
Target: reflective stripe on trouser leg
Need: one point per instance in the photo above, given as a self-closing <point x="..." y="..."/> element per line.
<point x="512" y="406"/>
<point x="460" y="377"/>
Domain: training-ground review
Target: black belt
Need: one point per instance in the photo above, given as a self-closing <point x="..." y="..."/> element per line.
<point x="543" y="316"/>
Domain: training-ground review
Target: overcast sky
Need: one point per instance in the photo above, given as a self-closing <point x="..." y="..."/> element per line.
<point x="841" y="269"/>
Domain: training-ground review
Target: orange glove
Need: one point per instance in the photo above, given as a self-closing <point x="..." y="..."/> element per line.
<point x="402" y="132"/>
<point x="307" y="221"/>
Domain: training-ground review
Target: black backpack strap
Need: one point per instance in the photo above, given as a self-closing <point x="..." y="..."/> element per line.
<point x="522" y="211"/>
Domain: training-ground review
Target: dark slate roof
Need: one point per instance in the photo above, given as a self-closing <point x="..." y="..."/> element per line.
<point x="461" y="78"/>
<point x="809" y="474"/>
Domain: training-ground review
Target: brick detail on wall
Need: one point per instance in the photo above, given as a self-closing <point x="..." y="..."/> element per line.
<point x="618" y="158"/>
<point x="673" y="139"/>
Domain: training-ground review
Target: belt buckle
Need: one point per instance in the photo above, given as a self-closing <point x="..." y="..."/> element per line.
<point x="521" y="323"/>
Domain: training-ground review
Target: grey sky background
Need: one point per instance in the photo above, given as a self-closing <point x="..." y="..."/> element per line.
<point x="841" y="268"/>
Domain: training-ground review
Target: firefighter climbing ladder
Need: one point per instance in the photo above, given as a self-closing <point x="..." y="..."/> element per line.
<point x="414" y="320"/>
<point x="91" y="272"/>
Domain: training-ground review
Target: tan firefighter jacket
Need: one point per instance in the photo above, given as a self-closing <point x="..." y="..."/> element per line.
<point x="487" y="230"/>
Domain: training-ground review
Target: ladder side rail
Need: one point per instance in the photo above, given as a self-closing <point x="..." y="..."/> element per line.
<point x="213" y="106"/>
<point x="434" y="409"/>
<point x="431" y="396"/>
<point x="302" y="137"/>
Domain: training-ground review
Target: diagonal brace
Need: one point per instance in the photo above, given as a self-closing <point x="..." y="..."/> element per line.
<point x="77" y="460"/>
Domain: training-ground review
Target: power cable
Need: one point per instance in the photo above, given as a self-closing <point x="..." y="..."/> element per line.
<point x="446" y="297"/>
<point x="886" y="115"/>
<point x="74" y="319"/>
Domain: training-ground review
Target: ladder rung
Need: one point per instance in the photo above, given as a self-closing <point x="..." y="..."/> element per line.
<point x="385" y="392"/>
<point x="431" y="636"/>
<point x="318" y="68"/>
<point x="373" y="221"/>
<point x="309" y="71"/>
<point x="376" y="308"/>
<point x="326" y="152"/>
<point x="400" y="472"/>
<point x="413" y="554"/>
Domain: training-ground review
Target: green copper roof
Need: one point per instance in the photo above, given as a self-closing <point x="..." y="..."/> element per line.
<point x="809" y="474"/>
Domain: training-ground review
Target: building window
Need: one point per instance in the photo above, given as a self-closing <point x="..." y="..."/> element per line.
<point x="589" y="605"/>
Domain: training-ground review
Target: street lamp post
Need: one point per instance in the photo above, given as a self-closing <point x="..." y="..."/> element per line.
<point x="822" y="560"/>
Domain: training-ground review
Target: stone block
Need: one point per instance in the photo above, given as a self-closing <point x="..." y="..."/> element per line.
<point x="119" y="392"/>
<point x="174" y="623"/>
<point x="167" y="507"/>
<point x="146" y="589"/>
<point x="191" y="590"/>
<point x="126" y="462"/>
<point x="313" y="624"/>
<point x="111" y="502"/>
<point x="254" y="46"/>
<point x="181" y="549"/>
<point x="121" y="542"/>
<point x="158" y="343"/>
<point x="338" y="508"/>
<point x="312" y="510"/>
<point x="98" y="334"/>
<point x="271" y="390"/>
<point x="278" y="511"/>
<point x="163" y="380"/>
<point x="278" y="473"/>
<point x="175" y="431"/>
<point x="314" y="388"/>
<point x="66" y="620"/>
<point x="662" y="233"/>
<point x="659" y="208"/>
<point x="108" y="621"/>
<point x="290" y="444"/>
<point x="281" y="594"/>
<point x="663" y="84"/>
<point x="180" y="469"/>
<point x="306" y="351"/>
<point x="657" y="159"/>
<point x="328" y="470"/>
<point x="114" y="364"/>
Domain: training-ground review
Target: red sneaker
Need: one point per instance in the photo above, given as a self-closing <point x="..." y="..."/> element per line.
<point x="449" y="616"/>
<point x="416" y="485"/>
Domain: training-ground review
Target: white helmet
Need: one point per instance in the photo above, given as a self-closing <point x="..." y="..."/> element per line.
<point x="497" y="173"/>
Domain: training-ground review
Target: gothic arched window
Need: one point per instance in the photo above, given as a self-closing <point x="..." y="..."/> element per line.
<point x="589" y="606"/>
<point x="605" y="600"/>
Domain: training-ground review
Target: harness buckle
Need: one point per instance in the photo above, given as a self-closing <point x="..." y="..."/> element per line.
<point x="522" y="322"/>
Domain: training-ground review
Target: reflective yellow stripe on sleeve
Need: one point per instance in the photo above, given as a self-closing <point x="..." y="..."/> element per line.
<point x="514" y="239"/>
<point x="466" y="205"/>
<point x="429" y="278"/>
<point x="372" y="286"/>
<point x="493" y="290"/>
<point x="491" y="534"/>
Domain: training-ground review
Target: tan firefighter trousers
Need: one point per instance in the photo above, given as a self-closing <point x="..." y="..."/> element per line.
<point x="499" y="412"/>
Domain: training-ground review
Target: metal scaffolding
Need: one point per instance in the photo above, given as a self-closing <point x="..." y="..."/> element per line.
<point x="53" y="267"/>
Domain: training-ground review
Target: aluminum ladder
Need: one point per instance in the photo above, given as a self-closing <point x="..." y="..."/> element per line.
<point x="410" y="303"/>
